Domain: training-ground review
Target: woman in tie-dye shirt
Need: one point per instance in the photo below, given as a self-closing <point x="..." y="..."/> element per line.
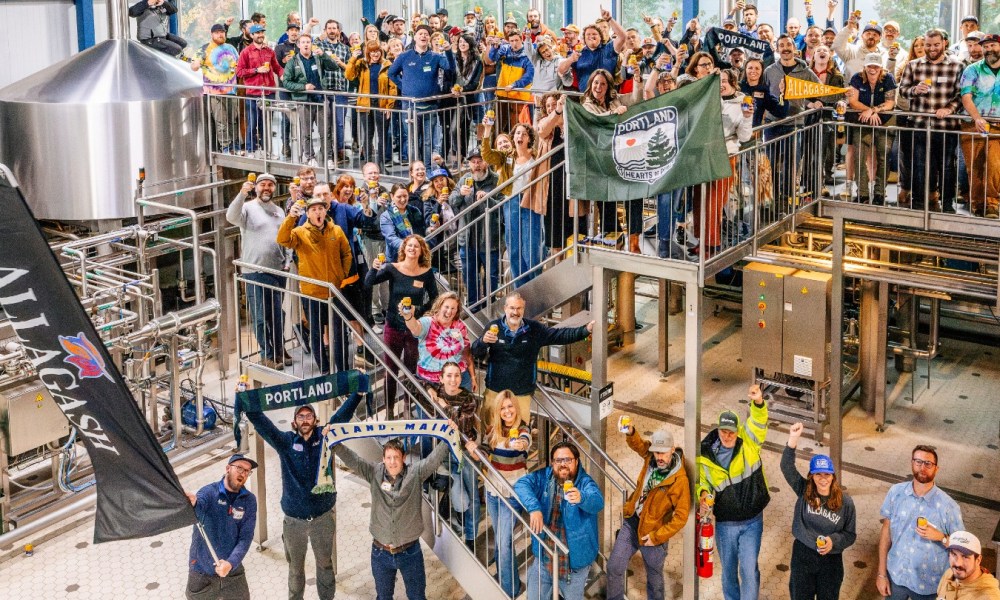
<point x="442" y="338"/>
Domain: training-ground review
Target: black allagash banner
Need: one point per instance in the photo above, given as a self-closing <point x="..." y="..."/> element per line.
<point x="138" y="493"/>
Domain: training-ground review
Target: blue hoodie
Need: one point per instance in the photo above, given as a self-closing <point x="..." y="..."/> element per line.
<point x="536" y="491"/>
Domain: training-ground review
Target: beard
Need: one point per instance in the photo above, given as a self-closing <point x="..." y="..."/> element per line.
<point x="933" y="56"/>
<point x="265" y="196"/>
<point x="921" y="477"/>
<point x="478" y="176"/>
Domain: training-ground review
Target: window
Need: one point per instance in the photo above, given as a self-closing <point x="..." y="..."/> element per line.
<point x="914" y="16"/>
<point x="197" y="18"/>
<point x="989" y="15"/>
<point x="633" y="10"/>
<point x="555" y="15"/>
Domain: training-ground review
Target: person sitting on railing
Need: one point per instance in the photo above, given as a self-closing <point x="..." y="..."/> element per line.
<point x="567" y="500"/>
<point x="325" y="255"/>
<point x="153" y="26"/>
<point x="396" y="514"/>
<point x="462" y="407"/>
<point x="259" y="221"/>
<point x="410" y="277"/>
<point x="475" y="226"/>
<point x="655" y="512"/>
<point x="507" y="441"/>
<point x="510" y="347"/>
<point x="365" y="69"/>
<point x="872" y="93"/>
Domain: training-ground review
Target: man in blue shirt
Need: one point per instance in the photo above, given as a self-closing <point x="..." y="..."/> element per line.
<point x="415" y="72"/>
<point x="308" y="516"/>
<point x="917" y="518"/>
<point x="228" y="513"/>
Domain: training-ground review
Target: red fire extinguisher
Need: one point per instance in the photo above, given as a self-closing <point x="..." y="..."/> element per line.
<point x="706" y="541"/>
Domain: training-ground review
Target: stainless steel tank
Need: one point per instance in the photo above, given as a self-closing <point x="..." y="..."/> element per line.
<point x="76" y="134"/>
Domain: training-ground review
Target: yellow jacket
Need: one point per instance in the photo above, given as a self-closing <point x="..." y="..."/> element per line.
<point x="324" y="254"/>
<point x="357" y="69"/>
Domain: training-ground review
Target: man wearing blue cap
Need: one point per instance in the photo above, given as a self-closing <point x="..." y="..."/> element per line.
<point x="227" y="513"/>
<point x="730" y="468"/>
<point x="823" y="525"/>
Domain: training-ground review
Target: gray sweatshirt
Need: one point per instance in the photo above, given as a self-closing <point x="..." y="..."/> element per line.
<point x="258" y="222"/>
<point x="809" y="523"/>
<point x="396" y="517"/>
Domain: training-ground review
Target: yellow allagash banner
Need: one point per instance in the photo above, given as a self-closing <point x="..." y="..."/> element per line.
<point x="797" y="89"/>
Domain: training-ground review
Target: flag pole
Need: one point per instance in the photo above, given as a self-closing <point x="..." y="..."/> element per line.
<point x="204" y="536"/>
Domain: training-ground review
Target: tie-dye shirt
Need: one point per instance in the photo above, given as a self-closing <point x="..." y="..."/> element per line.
<point x="438" y="345"/>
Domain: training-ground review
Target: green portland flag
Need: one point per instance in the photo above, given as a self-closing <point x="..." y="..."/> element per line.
<point x="670" y="142"/>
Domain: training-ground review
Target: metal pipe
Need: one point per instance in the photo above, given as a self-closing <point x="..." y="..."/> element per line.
<point x="199" y="370"/>
<point x="170" y="323"/>
<point x="117" y="20"/>
<point x="199" y="290"/>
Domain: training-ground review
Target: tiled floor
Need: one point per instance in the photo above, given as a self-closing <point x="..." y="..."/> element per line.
<point x="71" y="567"/>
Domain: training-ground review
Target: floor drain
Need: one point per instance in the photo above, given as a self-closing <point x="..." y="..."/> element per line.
<point x="860" y="564"/>
<point x="964" y="397"/>
<point x="977" y="475"/>
<point x="782" y="567"/>
<point x="949" y="421"/>
<point x="869" y="449"/>
<point x="716" y="380"/>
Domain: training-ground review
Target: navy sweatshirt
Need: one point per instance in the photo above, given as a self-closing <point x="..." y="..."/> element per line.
<point x="300" y="462"/>
<point x="512" y="360"/>
<point x="416" y="74"/>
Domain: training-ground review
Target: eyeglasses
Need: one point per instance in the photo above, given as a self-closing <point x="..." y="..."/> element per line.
<point x="923" y="463"/>
<point x="705" y="65"/>
<point x="242" y="470"/>
<point x="563" y="461"/>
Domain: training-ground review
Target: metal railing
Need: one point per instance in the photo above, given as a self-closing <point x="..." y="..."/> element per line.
<point x="382" y="366"/>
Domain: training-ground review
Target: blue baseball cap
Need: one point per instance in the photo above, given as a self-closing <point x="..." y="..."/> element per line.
<point x="821" y="463"/>
<point x="239" y="457"/>
<point x="257" y="28"/>
<point x="438" y="173"/>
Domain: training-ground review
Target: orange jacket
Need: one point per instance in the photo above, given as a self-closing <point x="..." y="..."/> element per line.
<point x="667" y="506"/>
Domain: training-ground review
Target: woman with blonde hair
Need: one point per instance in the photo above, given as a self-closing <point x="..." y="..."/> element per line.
<point x="507" y="441"/>
<point x="442" y="338"/>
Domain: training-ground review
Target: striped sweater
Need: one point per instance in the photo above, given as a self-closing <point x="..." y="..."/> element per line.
<point x="510" y="463"/>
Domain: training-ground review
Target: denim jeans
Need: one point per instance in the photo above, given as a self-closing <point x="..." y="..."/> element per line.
<point x="318" y="313"/>
<point x="668" y="212"/>
<point x="738" y="543"/>
<point x="401" y="131"/>
<point x="286" y="121"/>
<point x="474" y="259"/>
<point x="335" y="132"/>
<point x="409" y="563"/>
<point x="296" y="534"/>
<point x="255" y="125"/>
<point x="375" y="125"/>
<point x="265" y="313"/>
<point x="899" y="592"/>
<point x="626" y="545"/>
<point x="465" y="493"/>
<point x="503" y="532"/>
<point x="540" y="582"/>
<point x="524" y="238"/>
<point x="942" y="171"/>
<point x="426" y="126"/>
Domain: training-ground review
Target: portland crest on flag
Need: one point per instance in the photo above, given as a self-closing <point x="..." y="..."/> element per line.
<point x="644" y="146"/>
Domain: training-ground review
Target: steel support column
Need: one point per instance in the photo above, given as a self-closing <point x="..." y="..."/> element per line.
<point x="836" y="344"/>
<point x="85" y="36"/>
<point x="692" y="422"/>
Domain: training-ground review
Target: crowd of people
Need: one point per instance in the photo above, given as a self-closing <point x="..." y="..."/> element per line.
<point x="375" y="246"/>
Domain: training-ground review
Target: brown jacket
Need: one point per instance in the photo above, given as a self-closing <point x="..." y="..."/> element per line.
<point x="668" y="504"/>
<point x="983" y="588"/>
<point x="536" y="195"/>
<point x="324" y="254"/>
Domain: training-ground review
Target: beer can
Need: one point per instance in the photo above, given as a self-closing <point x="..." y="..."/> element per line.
<point x="567" y="486"/>
<point x="296" y="180"/>
<point x="921" y="521"/>
<point x="624" y="423"/>
<point x="381" y="257"/>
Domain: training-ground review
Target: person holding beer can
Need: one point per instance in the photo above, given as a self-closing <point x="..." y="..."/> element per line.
<point x="823" y="525"/>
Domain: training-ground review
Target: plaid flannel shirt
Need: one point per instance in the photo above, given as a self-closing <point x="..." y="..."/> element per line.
<point x="333" y="75"/>
<point x="944" y="77"/>
<point x="559" y="528"/>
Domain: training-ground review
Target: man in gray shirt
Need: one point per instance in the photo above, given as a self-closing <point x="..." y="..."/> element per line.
<point x="396" y="519"/>
<point x="259" y="221"/>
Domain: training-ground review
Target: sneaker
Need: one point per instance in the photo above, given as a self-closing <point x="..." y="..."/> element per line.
<point x="286" y="358"/>
<point x="679" y="235"/>
<point x="377" y="328"/>
<point x="258" y="154"/>
<point x="330" y="164"/>
<point x="848" y="191"/>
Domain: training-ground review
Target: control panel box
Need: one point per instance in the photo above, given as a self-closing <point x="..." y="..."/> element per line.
<point x="763" y="300"/>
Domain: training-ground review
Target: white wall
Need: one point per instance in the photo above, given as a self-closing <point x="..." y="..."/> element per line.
<point x="35" y="35"/>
